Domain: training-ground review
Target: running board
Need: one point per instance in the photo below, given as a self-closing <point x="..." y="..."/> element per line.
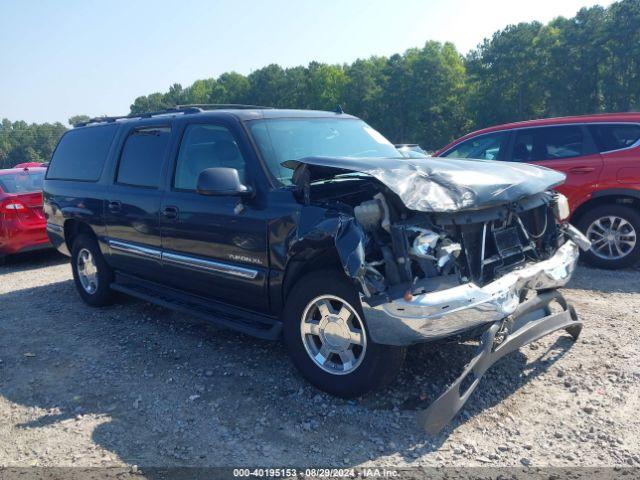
<point x="501" y="338"/>
<point x="251" y="323"/>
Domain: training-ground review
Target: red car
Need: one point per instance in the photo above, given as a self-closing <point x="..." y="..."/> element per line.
<point x="22" y="223"/>
<point x="600" y="154"/>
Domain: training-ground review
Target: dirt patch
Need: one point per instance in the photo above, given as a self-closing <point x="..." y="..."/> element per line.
<point x="138" y="384"/>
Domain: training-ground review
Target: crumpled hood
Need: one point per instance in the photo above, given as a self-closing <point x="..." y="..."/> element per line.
<point x="435" y="184"/>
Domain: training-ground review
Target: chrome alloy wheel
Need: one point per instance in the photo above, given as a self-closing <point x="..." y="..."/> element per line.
<point x="333" y="335"/>
<point x="87" y="271"/>
<point x="611" y="237"/>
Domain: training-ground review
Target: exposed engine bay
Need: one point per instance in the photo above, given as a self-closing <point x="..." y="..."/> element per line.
<point x="395" y="252"/>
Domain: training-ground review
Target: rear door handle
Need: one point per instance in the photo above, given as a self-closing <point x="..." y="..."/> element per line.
<point x="581" y="170"/>
<point x="114" y="206"/>
<point x="170" y="212"/>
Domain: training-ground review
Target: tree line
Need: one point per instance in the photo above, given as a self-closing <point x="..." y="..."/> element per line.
<point x="585" y="64"/>
<point x="22" y="142"/>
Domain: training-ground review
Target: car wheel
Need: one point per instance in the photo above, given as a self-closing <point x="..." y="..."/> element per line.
<point x="613" y="231"/>
<point x="327" y="340"/>
<point x="91" y="273"/>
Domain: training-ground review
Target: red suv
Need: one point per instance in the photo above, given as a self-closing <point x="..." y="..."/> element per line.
<point x="22" y="223"/>
<point x="600" y="154"/>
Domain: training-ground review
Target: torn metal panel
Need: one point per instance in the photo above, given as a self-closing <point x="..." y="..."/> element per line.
<point x="319" y="230"/>
<point x="438" y="184"/>
<point x="350" y="242"/>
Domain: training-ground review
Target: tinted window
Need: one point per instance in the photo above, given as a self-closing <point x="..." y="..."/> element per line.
<point x="548" y="143"/>
<point x="206" y="146"/>
<point x="22" y="182"/>
<point x="483" y="147"/>
<point x="614" y="137"/>
<point x="81" y="153"/>
<point x="142" y="155"/>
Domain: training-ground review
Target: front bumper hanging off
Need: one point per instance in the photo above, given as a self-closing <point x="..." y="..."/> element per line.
<point x="445" y="313"/>
<point x="532" y="320"/>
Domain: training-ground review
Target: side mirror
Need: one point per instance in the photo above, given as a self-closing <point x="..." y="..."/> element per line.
<point x="221" y="181"/>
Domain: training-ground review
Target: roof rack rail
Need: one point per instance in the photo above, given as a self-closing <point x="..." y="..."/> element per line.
<point x="225" y="106"/>
<point x="184" y="109"/>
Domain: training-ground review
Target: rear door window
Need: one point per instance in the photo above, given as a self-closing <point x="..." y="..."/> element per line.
<point x="610" y="137"/>
<point x="142" y="156"/>
<point x="548" y="143"/>
<point x="81" y="153"/>
<point x="483" y="147"/>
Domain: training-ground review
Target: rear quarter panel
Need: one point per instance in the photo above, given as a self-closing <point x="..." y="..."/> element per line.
<point x="621" y="169"/>
<point x="70" y="200"/>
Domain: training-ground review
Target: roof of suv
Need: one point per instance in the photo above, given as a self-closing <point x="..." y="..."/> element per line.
<point x="240" y="113"/>
<point x="600" y="117"/>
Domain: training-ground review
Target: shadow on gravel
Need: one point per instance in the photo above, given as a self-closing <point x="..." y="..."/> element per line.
<point x="430" y="369"/>
<point x="23" y="262"/>
<point x="606" y="281"/>
<point x="163" y="390"/>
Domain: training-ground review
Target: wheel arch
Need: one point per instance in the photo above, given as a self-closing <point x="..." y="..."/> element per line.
<point x="74" y="227"/>
<point x="620" y="196"/>
<point x="307" y="262"/>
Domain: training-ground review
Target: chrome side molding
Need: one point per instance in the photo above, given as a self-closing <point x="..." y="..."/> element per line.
<point x="208" y="265"/>
<point x="184" y="261"/>
<point x="52" y="227"/>
<point x="138" y="250"/>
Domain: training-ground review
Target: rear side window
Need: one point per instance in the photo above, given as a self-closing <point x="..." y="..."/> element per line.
<point x="548" y="143"/>
<point x="142" y="156"/>
<point x="483" y="147"/>
<point x="81" y="153"/>
<point x="614" y="136"/>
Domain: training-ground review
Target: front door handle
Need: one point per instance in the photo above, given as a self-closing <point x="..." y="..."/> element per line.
<point x="581" y="170"/>
<point x="170" y="212"/>
<point x="114" y="206"/>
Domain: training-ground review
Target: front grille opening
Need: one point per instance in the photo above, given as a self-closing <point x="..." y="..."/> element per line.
<point x="496" y="247"/>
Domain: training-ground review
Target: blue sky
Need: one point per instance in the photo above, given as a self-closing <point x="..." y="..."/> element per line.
<point x="68" y="57"/>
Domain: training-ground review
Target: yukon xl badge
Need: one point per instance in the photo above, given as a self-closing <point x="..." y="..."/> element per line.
<point x="245" y="259"/>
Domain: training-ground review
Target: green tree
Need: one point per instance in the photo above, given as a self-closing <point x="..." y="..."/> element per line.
<point x="234" y="88"/>
<point x="325" y="86"/>
<point x="78" y="119"/>
<point x="22" y="142"/>
<point x="621" y="67"/>
<point x="268" y="86"/>
<point x="508" y="76"/>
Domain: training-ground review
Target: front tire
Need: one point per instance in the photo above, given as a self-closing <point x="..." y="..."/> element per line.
<point x="613" y="231"/>
<point x="91" y="273"/>
<point x="327" y="339"/>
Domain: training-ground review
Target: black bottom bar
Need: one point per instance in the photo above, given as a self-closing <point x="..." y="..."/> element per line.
<point x="501" y="338"/>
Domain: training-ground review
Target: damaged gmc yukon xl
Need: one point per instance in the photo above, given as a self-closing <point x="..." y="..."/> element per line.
<point x="312" y="227"/>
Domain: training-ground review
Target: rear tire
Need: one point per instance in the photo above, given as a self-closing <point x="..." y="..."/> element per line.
<point x="611" y="229"/>
<point x="335" y="355"/>
<point x="91" y="273"/>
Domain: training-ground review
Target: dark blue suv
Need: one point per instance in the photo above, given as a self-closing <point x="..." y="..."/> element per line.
<point x="310" y="225"/>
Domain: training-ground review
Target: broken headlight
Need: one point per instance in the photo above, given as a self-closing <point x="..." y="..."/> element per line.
<point x="433" y="246"/>
<point x="561" y="207"/>
<point x="424" y="245"/>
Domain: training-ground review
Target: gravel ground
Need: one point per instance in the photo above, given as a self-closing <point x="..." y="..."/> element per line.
<point x="135" y="384"/>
